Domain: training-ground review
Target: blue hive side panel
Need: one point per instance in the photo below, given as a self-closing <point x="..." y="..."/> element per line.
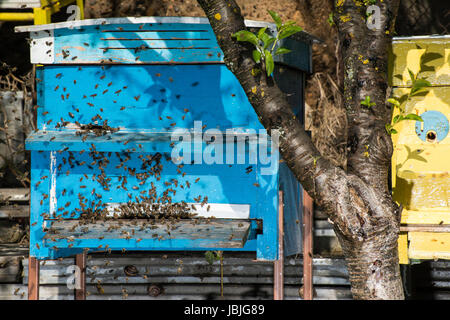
<point x="156" y="98"/>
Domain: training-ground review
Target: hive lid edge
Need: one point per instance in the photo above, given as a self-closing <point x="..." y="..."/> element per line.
<point x="301" y="36"/>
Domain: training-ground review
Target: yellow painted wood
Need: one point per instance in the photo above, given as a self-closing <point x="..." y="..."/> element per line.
<point x="421" y="169"/>
<point x="42" y="16"/>
<point x="428" y="216"/>
<point x="80" y="4"/>
<point x="429" y="245"/>
<point x="427" y="56"/>
<point x="16" y="16"/>
<point x="403" y="248"/>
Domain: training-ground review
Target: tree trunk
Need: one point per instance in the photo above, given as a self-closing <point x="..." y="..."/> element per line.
<point x="357" y="200"/>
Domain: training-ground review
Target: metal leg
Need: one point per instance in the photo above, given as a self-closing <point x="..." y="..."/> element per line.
<point x="33" y="278"/>
<point x="278" y="265"/>
<point x="80" y="261"/>
<point x="307" y="247"/>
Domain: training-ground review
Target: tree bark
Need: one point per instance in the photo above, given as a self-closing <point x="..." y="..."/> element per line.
<point x="357" y="201"/>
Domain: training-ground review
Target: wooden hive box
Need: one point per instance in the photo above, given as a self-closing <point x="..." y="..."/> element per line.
<point x="420" y="162"/>
<point x="117" y="98"/>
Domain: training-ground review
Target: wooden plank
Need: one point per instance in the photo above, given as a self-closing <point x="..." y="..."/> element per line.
<point x="19" y="4"/>
<point x="425" y="228"/>
<point x="14" y="194"/>
<point x="429" y="245"/>
<point x="9" y="269"/>
<point x="80" y="261"/>
<point x="226" y="233"/>
<point x="12" y="136"/>
<point x="33" y="279"/>
<point x="15" y="211"/>
<point x="278" y="266"/>
<point x="307" y="246"/>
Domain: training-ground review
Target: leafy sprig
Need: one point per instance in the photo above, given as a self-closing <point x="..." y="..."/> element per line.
<point x="418" y="86"/>
<point x="265" y="44"/>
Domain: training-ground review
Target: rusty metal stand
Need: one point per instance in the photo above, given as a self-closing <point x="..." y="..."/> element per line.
<point x="278" y="265"/>
<point x="33" y="278"/>
<point x="80" y="261"/>
<point x="307" y="247"/>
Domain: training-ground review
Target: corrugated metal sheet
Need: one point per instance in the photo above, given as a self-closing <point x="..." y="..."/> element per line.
<point x="430" y="280"/>
<point x="181" y="275"/>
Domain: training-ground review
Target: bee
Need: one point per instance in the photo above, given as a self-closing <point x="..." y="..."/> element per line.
<point x="74" y="81"/>
<point x="186" y="110"/>
<point x="56" y="88"/>
<point x="102" y="77"/>
<point x="197" y="180"/>
<point x="37" y="246"/>
<point x="137" y="97"/>
<point x="44" y="113"/>
<point x="71" y="115"/>
<point x="109" y="84"/>
<point x="93" y="95"/>
<point x="256" y="184"/>
<point x="58" y="75"/>
<point x="90" y="104"/>
<point x="62" y="97"/>
<point x="118" y="91"/>
<point x="105" y="91"/>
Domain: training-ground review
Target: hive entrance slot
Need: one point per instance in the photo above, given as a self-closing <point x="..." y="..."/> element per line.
<point x="431" y="136"/>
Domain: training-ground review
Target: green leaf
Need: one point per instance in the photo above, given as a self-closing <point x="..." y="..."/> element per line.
<point x="366" y="102"/>
<point x="210" y="257"/>
<point x="256" y="56"/>
<point x="261" y="32"/>
<point x="246" y="36"/>
<point x="268" y="42"/>
<point x="270" y="65"/>
<point x="288" y="31"/>
<point x="397" y="118"/>
<point x="412" y="76"/>
<point x="419" y="84"/>
<point x="275" y="18"/>
<point x="394" y="101"/>
<point x="413" y="116"/>
<point x="390" y="129"/>
<point x="282" y="50"/>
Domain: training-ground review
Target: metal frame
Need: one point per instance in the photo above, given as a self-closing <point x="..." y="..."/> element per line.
<point x="43" y="13"/>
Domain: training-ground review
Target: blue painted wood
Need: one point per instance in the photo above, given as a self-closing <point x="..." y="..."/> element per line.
<point x="151" y="97"/>
<point x="148" y="104"/>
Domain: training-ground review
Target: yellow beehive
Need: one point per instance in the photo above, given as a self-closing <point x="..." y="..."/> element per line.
<point x="421" y="158"/>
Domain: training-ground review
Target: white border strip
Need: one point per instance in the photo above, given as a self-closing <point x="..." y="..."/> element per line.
<point x="216" y="210"/>
<point x="431" y="37"/>
<point x="42" y="47"/>
<point x="132" y="20"/>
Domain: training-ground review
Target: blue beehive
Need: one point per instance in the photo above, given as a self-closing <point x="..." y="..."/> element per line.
<point x="135" y="117"/>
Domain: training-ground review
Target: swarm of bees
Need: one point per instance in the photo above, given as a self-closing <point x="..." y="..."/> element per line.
<point x="149" y="203"/>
